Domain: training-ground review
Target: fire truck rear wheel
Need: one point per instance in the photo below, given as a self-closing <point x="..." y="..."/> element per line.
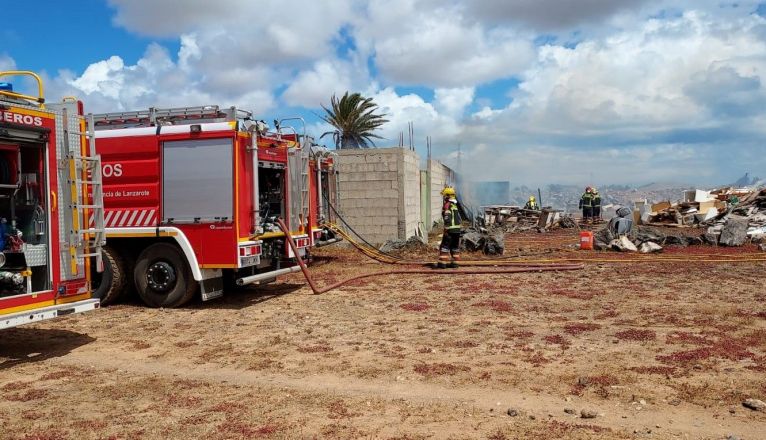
<point x="163" y="277"/>
<point x="110" y="285"/>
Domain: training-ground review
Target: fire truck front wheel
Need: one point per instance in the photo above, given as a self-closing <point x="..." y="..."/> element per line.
<point x="163" y="277"/>
<point x="109" y="285"/>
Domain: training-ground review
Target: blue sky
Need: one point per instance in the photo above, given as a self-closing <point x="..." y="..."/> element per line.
<point x="535" y="91"/>
<point x="77" y="23"/>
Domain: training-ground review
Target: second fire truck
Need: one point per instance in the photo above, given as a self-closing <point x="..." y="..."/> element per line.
<point x="192" y="196"/>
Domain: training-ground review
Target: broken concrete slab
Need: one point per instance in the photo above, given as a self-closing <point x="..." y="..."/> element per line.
<point x="602" y="239"/>
<point x="495" y="244"/>
<point x="734" y="233"/>
<point x="473" y="241"/>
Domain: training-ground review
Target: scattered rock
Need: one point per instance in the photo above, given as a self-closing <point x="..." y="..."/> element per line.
<point x="754" y="404"/>
<point x="649" y="247"/>
<point x="473" y="241"/>
<point x="567" y="222"/>
<point x="588" y="414"/>
<point x="762" y="247"/>
<point x="642" y="402"/>
<point x="602" y="239"/>
<point x="495" y="244"/>
<point x="734" y="232"/>
<point x="732" y="437"/>
<point x="532" y="418"/>
<point x="645" y="234"/>
<point x="512" y="412"/>
<point x="393" y="246"/>
<point x="570" y="411"/>
<point x="490" y="242"/>
<point x="733" y="410"/>
<point x="710" y="238"/>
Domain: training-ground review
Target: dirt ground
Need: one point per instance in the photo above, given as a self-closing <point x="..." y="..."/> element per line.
<point x="664" y="348"/>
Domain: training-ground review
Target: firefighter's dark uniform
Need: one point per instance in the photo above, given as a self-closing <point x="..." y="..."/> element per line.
<point x="449" y="250"/>
<point x="586" y="204"/>
<point x="596" y="206"/>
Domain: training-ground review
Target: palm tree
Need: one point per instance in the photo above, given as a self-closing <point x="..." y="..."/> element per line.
<point x="354" y="119"/>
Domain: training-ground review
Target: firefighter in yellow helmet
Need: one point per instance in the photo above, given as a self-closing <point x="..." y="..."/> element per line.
<point x="532" y="204"/>
<point x="449" y="250"/>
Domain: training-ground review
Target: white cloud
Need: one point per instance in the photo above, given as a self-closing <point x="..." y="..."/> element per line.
<point x="401" y="110"/>
<point x="436" y="48"/>
<point x="169" y="18"/>
<point x="106" y="77"/>
<point x="550" y="14"/>
<point x="453" y="102"/>
<point x="637" y="80"/>
<point x="313" y="87"/>
<point x="157" y="81"/>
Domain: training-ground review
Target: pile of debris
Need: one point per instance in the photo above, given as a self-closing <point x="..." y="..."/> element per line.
<point x="732" y="216"/>
<point x="644" y="239"/>
<point x="696" y="208"/>
<point x="514" y="219"/>
<point x="742" y="222"/>
<point x="488" y="241"/>
<point x="395" y="247"/>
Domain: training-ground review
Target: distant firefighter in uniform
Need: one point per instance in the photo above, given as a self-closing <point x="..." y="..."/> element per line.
<point x="596" y="205"/>
<point x="532" y="204"/>
<point x="449" y="250"/>
<point x="586" y="204"/>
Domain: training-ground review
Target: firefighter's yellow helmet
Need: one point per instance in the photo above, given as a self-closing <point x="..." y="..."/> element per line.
<point x="532" y="198"/>
<point x="448" y="191"/>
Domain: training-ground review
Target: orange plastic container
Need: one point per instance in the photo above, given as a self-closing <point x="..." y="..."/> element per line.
<point x="586" y="241"/>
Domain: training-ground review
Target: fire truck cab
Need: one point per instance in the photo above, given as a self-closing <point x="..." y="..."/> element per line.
<point x="49" y="186"/>
<point x="192" y="196"/>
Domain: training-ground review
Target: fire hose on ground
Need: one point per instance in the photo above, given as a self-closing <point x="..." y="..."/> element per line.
<point x="317" y="291"/>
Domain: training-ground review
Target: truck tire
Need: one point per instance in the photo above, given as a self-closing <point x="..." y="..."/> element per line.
<point x="110" y="285"/>
<point x="163" y="277"/>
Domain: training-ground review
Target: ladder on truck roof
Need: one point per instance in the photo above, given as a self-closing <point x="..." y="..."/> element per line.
<point x="87" y="233"/>
<point x="171" y="116"/>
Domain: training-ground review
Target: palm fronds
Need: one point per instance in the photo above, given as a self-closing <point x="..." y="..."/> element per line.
<point x="354" y="119"/>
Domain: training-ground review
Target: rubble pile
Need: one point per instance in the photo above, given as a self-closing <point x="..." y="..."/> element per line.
<point x="732" y="216"/>
<point x="741" y="223"/>
<point x="514" y="219"/>
<point x="696" y="209"/>
<point x="644" y="239"/>
<point x="488" y="241"/>
<point x="397" y="246"/>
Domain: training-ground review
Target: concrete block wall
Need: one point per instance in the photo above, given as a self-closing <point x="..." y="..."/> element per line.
<point x="441" y="176"/>
<point x="380" y="192"/>
<point x="409" y="174"/>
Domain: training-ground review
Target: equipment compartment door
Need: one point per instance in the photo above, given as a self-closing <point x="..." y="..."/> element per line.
<point x="197" y="181"/>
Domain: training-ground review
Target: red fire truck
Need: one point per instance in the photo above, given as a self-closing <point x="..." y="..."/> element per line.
<point x="49" y="186"/>
<point x="192" y="196"/>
